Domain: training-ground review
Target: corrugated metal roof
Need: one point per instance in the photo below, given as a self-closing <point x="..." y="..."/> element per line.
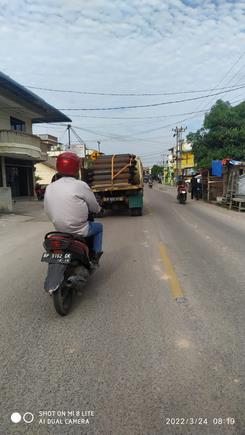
<point x="21" y="95"/>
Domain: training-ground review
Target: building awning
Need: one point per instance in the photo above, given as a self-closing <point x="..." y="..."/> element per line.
<point x="20" y="95"/>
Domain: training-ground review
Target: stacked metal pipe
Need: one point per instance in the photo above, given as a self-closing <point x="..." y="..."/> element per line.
<point x="109" y="169"/>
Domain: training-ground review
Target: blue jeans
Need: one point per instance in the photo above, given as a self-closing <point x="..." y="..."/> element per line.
<point x="96" y="230"/>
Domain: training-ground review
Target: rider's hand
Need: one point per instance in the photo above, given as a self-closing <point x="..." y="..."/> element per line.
<point x="100" y="213"/>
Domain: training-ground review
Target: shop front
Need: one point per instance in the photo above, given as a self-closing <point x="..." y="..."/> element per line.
<point x="19" y="177"/>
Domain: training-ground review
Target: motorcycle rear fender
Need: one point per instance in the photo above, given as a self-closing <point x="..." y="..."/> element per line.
<point x="55" y="277"/>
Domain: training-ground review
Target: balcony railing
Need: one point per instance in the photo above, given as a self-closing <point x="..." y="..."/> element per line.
<point x="12" y="136"/>
<point x="22" y="144"/>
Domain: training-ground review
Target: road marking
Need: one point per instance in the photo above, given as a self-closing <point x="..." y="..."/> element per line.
<point x="176" y="289"/>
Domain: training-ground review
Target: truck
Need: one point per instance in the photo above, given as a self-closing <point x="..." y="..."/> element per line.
<point x="116" y="180"/>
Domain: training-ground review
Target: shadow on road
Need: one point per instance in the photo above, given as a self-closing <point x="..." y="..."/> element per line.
<point x="111" y="262"/>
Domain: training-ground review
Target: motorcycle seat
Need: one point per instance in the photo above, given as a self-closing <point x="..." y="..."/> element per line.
<point x="67" y="236"/>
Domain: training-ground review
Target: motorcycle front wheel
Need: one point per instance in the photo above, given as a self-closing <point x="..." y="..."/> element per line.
<point x="62" y="300"/>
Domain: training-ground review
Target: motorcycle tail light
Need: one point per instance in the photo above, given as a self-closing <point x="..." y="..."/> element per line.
<point x="56" y="245"/>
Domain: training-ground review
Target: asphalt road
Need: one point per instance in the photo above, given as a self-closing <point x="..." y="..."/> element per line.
<point x="155" y="345"/>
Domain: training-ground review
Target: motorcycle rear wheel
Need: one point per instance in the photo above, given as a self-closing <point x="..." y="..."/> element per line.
<point x="62" y="299"/>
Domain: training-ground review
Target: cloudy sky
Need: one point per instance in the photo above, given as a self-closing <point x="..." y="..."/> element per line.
<point x="126" y="47"/>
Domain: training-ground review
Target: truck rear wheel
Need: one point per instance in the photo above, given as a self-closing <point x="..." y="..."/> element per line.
<point x="136" y="211"/>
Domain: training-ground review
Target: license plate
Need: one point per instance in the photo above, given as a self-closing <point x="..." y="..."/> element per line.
<point x="49" y="257"/>
<point x="113" y="199"/>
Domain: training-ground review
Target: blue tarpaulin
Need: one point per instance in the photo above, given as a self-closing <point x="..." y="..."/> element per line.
<point x="217" y="168"/>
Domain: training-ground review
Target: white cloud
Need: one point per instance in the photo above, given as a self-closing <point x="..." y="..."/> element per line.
<point x="121" y="46"/>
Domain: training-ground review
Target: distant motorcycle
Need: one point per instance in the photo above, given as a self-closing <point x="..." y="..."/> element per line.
<point x="182" y="194"/>
<point x="40" y="192"/>
<point x="198" y="193"/>
<point x="150" y="184"/>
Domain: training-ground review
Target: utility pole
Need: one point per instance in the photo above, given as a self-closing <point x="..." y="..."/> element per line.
<point x="69" y="135"/>
<point x="98" y="142"/>
<point x="179" y="143"/>
<point x="80" y="140"/>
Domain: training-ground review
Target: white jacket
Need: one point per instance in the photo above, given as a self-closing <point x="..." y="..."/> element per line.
<point x="67" y="202"/>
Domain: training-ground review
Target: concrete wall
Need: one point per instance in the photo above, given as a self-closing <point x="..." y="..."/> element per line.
<point x="5" y="116"/>
<point x="45" y="172"/>
<point x="5" y="120"/>
<point x="5" y="200"/>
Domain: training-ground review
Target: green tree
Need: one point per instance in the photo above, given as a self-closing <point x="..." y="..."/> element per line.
<point x="222" y="134"/>
<point x="156" y="170"/>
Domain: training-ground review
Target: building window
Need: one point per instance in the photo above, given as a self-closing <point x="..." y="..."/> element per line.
<point x="17" y="124"/>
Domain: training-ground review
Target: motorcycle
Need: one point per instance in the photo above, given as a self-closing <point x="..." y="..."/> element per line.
<point x="182" y="194"/>
<point x="150" y="184"/>
<point x="198" y="194"/>
<point x="69" y="267"/>
<point x="40" y="192"/>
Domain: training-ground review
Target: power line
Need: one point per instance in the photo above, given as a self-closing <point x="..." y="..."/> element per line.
<point x="132" y="137"/>
<point x="238" y="101"/>
<point x="130" y="94"/>
<point x="151" y="154"/>
<point x="62" y="136"/>
<point x="112" y="136"/>
<point x="142" y="117"/>
<point x="153" y="104"/>
<point x="137" y="106"/>
<point x="138" y="117"/>
<point x="165" y="126"/>
<point x="170" y="125"/>
<point x="227" y="74"/>
<point x="116" y="137"/>
<point x="237" y="74"/>
<point x="233" y="66"/>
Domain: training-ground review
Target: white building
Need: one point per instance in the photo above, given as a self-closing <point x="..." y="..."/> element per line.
<point x="19" y="148"/>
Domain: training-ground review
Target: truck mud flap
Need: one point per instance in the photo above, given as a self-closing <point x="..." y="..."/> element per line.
<point x="55" y="277"/>
<point x="135" y="201"/>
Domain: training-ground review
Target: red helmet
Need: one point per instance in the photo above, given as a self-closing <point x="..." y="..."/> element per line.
<point x="68" y="164"/>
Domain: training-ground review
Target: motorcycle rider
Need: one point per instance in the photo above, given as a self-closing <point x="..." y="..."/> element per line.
<point x="68" y="202"/>
<point x="180" y="183"/>
<point x="193" y="186"/>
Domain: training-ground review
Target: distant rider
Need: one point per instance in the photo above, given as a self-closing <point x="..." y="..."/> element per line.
<point x="193" y="187"/>
<point x="181" y="184"/>
<point x="68" y="202"/>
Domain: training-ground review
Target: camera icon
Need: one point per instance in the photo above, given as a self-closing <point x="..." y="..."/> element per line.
<point x="15" y="417"/>
<point x="27" y="417"/>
